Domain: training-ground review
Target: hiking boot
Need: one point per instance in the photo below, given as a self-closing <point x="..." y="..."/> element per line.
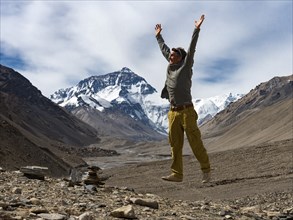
<point x="172" y="178"/>
<point x="206" y="177"/>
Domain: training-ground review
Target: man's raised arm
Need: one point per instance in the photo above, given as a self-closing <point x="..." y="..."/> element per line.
<point x="164" y="48"/>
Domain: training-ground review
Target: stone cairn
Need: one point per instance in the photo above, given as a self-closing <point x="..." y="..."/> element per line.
<point x="91" y="177"/>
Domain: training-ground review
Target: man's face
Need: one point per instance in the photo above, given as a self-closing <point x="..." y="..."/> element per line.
<point x="174" y="57"/>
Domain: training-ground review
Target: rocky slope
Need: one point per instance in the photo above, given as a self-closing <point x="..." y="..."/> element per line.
<point x="24" y="104"/>
<point x="263" y="115"/>
<point x="35" y="130"/>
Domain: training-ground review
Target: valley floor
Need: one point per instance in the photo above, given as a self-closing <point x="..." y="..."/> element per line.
<point x="235" y="174"/>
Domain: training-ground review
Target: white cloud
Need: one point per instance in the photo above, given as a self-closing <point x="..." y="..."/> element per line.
<point x="63" y="42"/>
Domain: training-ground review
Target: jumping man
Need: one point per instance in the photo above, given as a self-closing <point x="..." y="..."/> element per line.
<point x="182" y="115"/>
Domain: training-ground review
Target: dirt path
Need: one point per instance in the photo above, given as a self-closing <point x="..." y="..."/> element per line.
<point x="236" y="174"/>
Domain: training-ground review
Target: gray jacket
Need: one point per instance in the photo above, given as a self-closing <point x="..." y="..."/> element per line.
<point x="178" y="82"/>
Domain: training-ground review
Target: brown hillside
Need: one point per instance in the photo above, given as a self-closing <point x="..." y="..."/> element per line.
<point x="264" y="115"/>
<point x="36" y="131"/>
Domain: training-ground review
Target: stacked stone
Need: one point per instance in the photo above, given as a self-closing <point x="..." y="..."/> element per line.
<point x="92" y="177"/>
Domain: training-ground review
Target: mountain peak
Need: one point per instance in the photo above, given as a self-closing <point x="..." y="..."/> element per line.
<point x="126" y="70"/>
<point x="117" y="93"/>
<point x="118" y="85"/>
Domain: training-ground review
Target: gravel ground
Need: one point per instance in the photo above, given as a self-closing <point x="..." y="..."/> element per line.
<point x="248" y="183"/>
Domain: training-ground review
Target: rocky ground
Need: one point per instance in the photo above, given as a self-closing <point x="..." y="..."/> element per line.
<point x="23" y="198"/>
<point x="248" y="183"/>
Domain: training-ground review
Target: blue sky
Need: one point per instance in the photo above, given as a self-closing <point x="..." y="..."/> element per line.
<point x="55" y="44"/>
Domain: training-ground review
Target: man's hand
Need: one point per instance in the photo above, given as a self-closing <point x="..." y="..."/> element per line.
<point x="198" y="23"/>
<point x="158" y="29"/>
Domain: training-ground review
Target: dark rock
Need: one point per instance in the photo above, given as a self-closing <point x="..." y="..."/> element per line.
<point x="35" y="172"/>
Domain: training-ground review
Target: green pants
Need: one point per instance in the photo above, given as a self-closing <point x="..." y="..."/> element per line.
<point x="180" y="121"/>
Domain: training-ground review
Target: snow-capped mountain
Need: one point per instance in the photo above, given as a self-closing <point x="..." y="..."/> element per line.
<point x="130" y="94"/>
<point x="207" y="108"/>
<point x="117" y="93"/>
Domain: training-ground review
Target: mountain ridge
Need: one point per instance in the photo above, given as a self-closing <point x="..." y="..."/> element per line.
<point x="263" y="115"/>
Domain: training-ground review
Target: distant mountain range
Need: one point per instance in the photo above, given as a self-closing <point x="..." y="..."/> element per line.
<point x="123" y="109"/>
<point x="127" y="94"/>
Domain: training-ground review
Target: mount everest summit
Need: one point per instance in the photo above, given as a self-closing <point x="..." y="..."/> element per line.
<point x="123" y="103"/>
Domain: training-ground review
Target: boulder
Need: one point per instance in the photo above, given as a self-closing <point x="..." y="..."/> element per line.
<point x="124" y="212"/>
<point x="34" y="172"/>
